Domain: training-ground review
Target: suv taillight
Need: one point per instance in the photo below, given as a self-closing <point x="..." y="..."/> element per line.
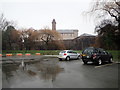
<point x="94" y="56"/>
<point x="65" y="54"/>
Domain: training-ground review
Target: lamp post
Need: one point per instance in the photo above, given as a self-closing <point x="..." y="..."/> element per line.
<point x="23" y="43"/>
<point x="24" y="40"/>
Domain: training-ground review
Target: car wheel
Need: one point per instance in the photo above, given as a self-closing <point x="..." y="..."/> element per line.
<point x="110" y="60"/>
<point x="68" y="58"/>
<point x="99" y="62"/>
<point x="85" y="62"/>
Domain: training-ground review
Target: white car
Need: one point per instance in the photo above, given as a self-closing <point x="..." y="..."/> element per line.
<point x="68" y="54"/>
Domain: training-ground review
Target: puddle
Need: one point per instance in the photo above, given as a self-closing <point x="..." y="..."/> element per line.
<point x="39" y="74"/>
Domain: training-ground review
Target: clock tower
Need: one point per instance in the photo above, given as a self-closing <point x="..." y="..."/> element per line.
<point x="53" y="24"/>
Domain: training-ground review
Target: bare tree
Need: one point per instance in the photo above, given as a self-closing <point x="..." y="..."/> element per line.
<point x="103" y="9"/>
<point x="107" y="7"/>
<point x="49" y="35"/>
<point x="101" y="25"/>
<point x="106" y="35"/>
<point x="4" y="23"/>
<point x="51" y="39"/>
<point x="28" y="37"/>
<point x="5" y="32"/>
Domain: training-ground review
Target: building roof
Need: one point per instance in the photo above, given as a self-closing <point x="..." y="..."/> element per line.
<point x="67" y="31"/>
<point x="85" y="34"/>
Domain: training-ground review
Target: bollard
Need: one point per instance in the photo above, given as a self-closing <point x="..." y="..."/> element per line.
<point x="8" y="54"/>
<point x="19" y="54"/>
<point x="27" y="54"/>
<point x="37" y="53"/>
<point x="22" y="63"/>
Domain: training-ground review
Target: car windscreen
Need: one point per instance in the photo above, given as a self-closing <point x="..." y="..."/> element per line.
<point x="88" y="51"/>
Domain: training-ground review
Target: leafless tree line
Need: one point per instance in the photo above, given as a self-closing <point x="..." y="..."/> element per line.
<point x="28" y="39"/>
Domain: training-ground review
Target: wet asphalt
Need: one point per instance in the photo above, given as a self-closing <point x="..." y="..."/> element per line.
<point x="51" y="73"/>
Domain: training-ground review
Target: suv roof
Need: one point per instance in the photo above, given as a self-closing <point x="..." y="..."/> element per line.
<point x="94" y="48"/>
<point x="90" y="50"/>
<point x="67" y="50"/>
<point x="64" y="51"/>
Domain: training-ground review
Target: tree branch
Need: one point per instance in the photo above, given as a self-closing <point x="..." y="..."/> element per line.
<point x="118" y="3"/>
<point x="116" y="10"/>
<point x="43" y="39"/>
<point x="111" y="14"/>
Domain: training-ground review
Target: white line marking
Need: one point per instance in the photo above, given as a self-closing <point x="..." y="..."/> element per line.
<point x="103" y="65"/>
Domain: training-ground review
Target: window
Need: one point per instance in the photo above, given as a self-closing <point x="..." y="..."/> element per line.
<point x="69" y="51"/>
<point x="102" y="51"/>
<point x="62" y="51"/>
<point x="88" y="51"/>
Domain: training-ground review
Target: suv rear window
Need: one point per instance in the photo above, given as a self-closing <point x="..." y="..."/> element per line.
<point x="88" y="51"/>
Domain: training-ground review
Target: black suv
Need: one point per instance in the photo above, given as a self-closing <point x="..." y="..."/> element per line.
<point x="96" y="55"/>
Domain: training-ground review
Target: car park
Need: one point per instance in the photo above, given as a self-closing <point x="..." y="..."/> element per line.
<point x="68" y="55"/>
<point x="96" y="55"/>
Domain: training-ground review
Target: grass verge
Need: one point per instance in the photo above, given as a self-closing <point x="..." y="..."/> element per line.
<point x="115" y="53"/>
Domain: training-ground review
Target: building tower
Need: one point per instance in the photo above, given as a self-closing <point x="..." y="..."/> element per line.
<point x="53" y="24"/>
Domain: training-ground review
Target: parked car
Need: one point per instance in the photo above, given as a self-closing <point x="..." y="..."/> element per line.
<point x="96" y="55"/>
<point x="68" y="55"/>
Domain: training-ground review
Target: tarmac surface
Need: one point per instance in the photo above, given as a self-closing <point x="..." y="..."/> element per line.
<point x="49" y="72"/>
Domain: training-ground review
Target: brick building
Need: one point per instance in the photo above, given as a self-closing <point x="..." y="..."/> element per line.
<point x="84" y="41"/>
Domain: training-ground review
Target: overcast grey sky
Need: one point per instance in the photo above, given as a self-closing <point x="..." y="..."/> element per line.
<point x="69" y="14"/>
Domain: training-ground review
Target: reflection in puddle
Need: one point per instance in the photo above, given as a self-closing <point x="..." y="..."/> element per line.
<point x="7" y="70"/>
<point x="48" y="70"/>
<point x="31" y="73"/>
<point x="14" y="75"/>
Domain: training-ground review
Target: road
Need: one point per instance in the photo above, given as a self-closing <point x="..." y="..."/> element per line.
<point x="52" y="73"/>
